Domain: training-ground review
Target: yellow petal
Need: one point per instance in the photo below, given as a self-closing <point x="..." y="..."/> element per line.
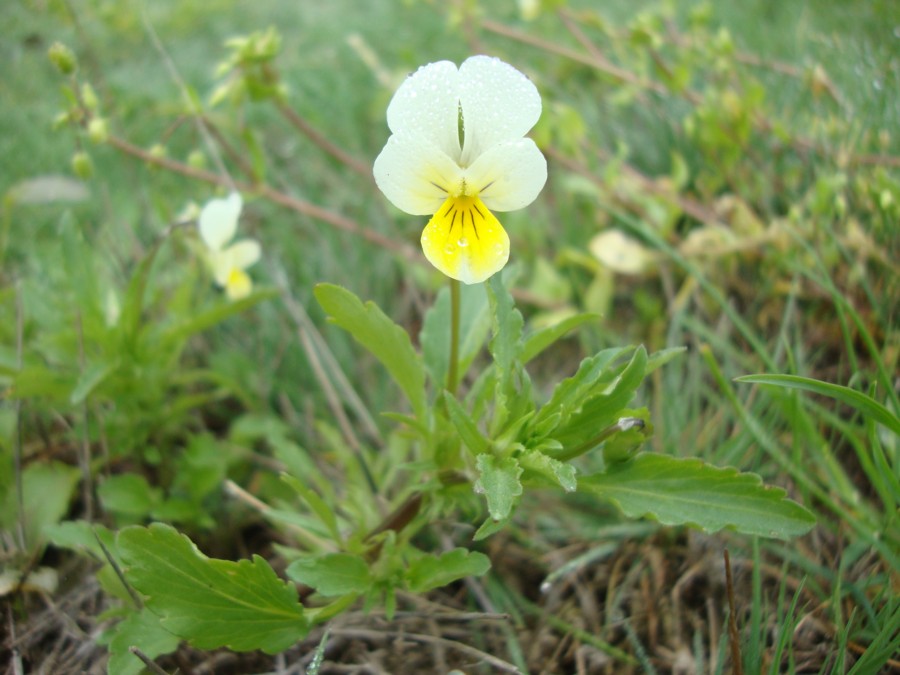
<point x="238" y="284"/>
<point x="465" y="241"/>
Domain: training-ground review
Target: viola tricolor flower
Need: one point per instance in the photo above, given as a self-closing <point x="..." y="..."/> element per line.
<point x="457" y="152"/>
<point x="218" y="225"/>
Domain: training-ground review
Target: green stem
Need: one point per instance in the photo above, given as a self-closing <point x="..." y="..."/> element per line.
<point x="453" y="373"/>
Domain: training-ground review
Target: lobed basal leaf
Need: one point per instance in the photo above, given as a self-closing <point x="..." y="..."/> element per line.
<point x="211" y="603"/>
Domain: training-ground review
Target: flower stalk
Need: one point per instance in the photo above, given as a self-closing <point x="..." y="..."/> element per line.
<point x="453" y="371"/>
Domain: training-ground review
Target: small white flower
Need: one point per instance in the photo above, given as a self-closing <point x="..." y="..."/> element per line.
<point x="218" y="225"/>
<point x="458" y="152"/>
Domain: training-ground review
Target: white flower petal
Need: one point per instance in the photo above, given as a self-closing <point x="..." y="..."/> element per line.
<point x="221" y="266"/>
<point x="218" y="220"/>
<point x="427" y="104"/>
<point x="244" y="253"/>
<point x="498" y="104"/>
<point x="415" y="175"/>
<point x="508" y="176"/>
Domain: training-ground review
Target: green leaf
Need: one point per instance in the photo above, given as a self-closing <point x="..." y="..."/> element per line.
<point x="512" y="393"/>
<point x="141" y="630"/>
<point x="38" y="380"/>
<point x="489" y="527"/>
<point x="678" y="491"/>
<point x="570" y="393"/>
<point x="540" y="340"/>
<point x="387" y="341"/>
<point x="551" y="469"/>
<point x="133" y="303"/>
<point x="855" y="399"/>
<point x="465" y="427"/>
<point x="90" y="379"/>
<point x="603" y="405"/>
<point x="662" y="357"/>
<point x="211" y="603"/>
<point x="46" y="492"/>
<point x="498" y="481"/>
<point x="332" y="574"/>
<point x="80" y="535"/>
<point x="431" y="571"/>
<point x="128" y="494"/>
<point x="506" y="345"/>
<point x="216" y="314"/>
<point x="317" y="505"/>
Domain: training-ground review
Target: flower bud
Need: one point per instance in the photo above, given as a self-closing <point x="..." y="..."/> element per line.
<point x="156" y="152"/>
<point x="82" y="166"/>
<point x="63" y="58"/>
<point x="197" y="159"/>
<point x="89" y="97"/>
<point x="61" y="120"/>
<point x="98" y="130"/>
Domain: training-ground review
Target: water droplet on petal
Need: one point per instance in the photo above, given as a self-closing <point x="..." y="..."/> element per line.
<point x="449" y="250"/>
<point x="463" y="242"/>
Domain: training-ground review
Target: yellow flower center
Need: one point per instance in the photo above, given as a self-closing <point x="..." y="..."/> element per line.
<point x="464" y="240"/>
<point x="238" y="284"/>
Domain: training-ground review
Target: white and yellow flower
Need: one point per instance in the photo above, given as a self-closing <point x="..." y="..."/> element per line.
<point x="458" y="151"/>
<point x="218" y="225"/>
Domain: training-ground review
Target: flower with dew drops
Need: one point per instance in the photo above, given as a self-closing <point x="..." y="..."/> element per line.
<point x="218" y="225"/>
<point x="457" y="152"/>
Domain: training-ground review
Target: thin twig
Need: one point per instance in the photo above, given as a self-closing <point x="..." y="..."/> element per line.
<point x="444" y="616"/>
<point x="147" y="661"/>
<point x="16" y="656"/>
<point x="138" y="603"/>
<point x="762" y="124"/>
<point x="881" y="160"/>
<point x="321" y="350"/>
<point x="689" y="206"/>
<point x="235" y="156"/>
<point x="744" y="58"/>
<point x="301" y="206"/>
<point x="314" y="541"/>
<point x="599" y="64"/>
<point x="399" y="517"/>
<point x="300" y="123"/>
<point x="595" y="53"/>
<point x="363" y="634"/>
<point x="733" y="637"/>
<point x="182" y="87"/>
<point x="304" y="327"/>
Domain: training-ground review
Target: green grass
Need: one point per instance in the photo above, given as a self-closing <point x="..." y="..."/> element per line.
<point x="817" y="298"/>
